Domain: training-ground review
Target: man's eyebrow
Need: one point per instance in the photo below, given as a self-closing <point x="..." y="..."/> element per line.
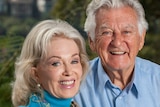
<point x="129" y="26"/>
<point x="104" y="26"/>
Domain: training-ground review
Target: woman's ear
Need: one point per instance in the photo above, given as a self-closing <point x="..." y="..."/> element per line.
<point x="34" y="74"/>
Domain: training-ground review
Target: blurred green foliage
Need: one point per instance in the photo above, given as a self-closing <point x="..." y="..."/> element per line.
<point x="9" y="50"/>
<point x="13" y="32"/>
<point x="151" y="49"/>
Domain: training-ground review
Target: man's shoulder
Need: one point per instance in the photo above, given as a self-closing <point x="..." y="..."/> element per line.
<point x="147" y="65"/>
<point x="95" y="60"/>
<point x="144" y="62"/>
<point x="94" y="63"/>
<point x="93" y="66"/>
<point x="91" y="75"/>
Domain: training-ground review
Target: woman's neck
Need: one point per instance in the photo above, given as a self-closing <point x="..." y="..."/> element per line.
<point x="57" y="102"/>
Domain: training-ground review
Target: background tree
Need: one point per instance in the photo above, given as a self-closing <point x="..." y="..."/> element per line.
<point x="152" y="10"/>
<point x="13" y="31"/>
<point x="73" y="11"/>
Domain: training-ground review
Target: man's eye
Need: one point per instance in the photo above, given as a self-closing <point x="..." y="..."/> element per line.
<point x="127" y="32"/>
<point x="56" y="64"/>
<point x="108" y="33"/>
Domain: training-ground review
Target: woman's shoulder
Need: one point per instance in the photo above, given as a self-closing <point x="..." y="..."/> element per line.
<point x="36" y="101"/>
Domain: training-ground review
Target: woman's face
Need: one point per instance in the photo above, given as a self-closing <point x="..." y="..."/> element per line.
<point x="60" y="73"/>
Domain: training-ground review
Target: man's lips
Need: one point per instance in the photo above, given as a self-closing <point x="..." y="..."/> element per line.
<point x="117" y="52"/>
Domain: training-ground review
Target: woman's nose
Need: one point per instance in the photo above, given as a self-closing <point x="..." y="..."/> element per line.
<point x="67" y="70"/>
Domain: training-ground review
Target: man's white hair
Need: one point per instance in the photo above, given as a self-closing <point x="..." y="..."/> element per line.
<point x="90" y="23"/>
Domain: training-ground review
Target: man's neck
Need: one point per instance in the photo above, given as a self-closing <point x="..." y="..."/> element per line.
<point x="120" y="78"/>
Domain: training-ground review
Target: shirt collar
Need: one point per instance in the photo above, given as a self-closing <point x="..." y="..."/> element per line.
<point x="103" y="78"/>
<point x="137" y="77"/>
<point x="134" y="84"/>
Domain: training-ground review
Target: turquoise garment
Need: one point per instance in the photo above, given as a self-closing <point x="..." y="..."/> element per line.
<point x="48" y="101"/>
<point x="143" y="90"/>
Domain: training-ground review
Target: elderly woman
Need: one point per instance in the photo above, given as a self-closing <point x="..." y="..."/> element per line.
<point x="51" y="66"/>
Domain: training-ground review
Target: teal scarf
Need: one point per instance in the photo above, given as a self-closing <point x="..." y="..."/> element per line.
<point x="48" y="101"/>
<point x="56" y="102"/>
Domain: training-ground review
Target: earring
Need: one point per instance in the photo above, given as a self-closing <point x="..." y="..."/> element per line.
<point x="39" y="85"/>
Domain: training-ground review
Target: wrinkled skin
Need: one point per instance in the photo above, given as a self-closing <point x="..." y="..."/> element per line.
<point x="117" y="42"/>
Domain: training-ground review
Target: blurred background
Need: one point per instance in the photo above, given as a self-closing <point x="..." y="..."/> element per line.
<point x="17" y="17"/>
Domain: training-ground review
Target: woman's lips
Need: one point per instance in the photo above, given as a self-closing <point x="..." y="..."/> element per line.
<point x="67" y="83"/>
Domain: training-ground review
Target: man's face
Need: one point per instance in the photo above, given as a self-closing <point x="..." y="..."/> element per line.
<point x="117" y="38"/>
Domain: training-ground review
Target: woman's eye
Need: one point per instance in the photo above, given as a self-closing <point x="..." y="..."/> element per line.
<point x="56" y="64"/>
<point x="74" y="61"/>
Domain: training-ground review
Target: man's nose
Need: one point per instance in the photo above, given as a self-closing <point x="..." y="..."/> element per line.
<point x="117" y="39"/>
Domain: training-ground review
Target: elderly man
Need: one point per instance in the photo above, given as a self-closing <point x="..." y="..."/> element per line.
<point x="118" y="78"/>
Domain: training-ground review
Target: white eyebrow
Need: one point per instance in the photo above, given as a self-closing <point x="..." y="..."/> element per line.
<point x="104" y="26"/>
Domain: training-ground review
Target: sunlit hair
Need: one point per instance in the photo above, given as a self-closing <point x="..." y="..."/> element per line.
<point x="34" y="49"/>
<point x="90" y="23"/>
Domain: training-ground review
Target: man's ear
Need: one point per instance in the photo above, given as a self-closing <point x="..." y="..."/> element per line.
<point x="142" y="41"/>
<point x="91" y="43"/>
